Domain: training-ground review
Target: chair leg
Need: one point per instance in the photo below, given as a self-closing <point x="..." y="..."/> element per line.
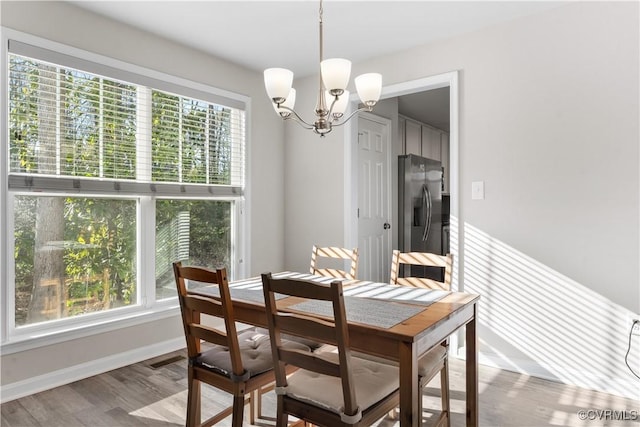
<point x="281" y="418"/>
<point x="193" y="401"/>
<point x="238" y="411"/>
<point x="259" y="393"/>
<point x="421" y="385"/>
<point x="444" y="391"/>
<point x="252" y="406"/>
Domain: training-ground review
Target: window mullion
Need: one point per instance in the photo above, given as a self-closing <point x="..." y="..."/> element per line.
<point x="143" y="134"/>
<point x="146" y="207"/>
<point x="101" y="127"/>
<point x="59" y="108"/>
<point x="180" y="138"/>
<point x="10" y="297"/>
<point x="207" y="152"/>
<point x="147" y="251"/>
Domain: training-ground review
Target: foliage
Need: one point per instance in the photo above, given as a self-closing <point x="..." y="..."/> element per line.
<point x="96" y="138"/>
<point x="202" y="238"/>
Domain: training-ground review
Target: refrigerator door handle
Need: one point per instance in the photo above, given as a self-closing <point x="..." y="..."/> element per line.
<point x="426" y="201"/>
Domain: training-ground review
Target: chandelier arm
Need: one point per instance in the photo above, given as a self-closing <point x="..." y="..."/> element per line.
<point x="368" y="109"/>
<point x="335" y="99"/>
<point x="296" y="117"/>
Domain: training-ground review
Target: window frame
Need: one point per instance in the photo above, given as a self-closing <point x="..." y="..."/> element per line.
<point x="147" y="308"/>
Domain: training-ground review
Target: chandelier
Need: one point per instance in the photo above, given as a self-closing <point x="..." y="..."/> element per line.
<point x="333" y="97"/>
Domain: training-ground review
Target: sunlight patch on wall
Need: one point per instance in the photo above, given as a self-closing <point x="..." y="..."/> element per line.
<point x="545" y="323"/>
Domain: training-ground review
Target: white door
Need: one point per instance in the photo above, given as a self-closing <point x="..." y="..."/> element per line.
<point x="374" y="198"/>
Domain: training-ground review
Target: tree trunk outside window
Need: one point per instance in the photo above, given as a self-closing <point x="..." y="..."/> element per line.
<point x="48" y="296"/>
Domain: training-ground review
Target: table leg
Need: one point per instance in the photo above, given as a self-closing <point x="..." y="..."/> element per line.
<point x="409" y="395"/>
<point x="472" y="370"/>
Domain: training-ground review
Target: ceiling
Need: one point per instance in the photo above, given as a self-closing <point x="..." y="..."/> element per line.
<point x="263" y="34"/>
<point x="431" y="107"/>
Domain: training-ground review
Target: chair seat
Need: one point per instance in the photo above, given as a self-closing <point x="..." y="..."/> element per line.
<point x="432" y="357"/>
<point x="313" y="345"/>
<point x="255" y="351"/>
<point x="372" y="380"/>
<point x="425" y="363"/>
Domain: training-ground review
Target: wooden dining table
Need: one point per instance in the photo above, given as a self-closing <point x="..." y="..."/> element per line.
<point x="431" y="321"/>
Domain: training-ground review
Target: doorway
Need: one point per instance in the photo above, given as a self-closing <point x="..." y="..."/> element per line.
<point x="352" y="232"/>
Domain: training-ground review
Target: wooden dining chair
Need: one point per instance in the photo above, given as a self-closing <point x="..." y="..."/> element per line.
<point x="330" y="389"/>
<point x="334" y="254"/>
<point x="239" y="364"/>
<point x="404" y="260"/>
<point x="436" y="359"/>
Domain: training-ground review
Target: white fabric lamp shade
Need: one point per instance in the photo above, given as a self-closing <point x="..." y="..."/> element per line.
<point x="335" y="73"/>
<point x="278" y="82"/>
<point x="369" y="87"/>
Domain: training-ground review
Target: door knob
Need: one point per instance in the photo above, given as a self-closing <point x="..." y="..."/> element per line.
<point x="387" y="226"/>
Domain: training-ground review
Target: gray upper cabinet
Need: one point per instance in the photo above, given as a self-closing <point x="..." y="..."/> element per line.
<point x="431" y="143"/>
<point x="413" y="138"/>
<point x="426" y="141"/>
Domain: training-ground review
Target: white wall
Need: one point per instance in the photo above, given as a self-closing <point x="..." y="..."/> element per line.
<point x="549" y="118"/>
<point x="64" y="23"/>
<point x="549" y="121"/>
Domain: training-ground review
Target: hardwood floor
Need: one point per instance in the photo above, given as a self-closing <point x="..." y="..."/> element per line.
<point x="153" y="393"/>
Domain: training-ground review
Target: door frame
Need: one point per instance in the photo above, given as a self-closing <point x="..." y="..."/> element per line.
<point x="449" y="79"/>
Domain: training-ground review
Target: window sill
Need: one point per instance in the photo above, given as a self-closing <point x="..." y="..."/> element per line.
<point x="36" y="339"/>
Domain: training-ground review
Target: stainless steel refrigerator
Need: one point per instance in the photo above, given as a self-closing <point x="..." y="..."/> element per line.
<point x="420" y="209"/>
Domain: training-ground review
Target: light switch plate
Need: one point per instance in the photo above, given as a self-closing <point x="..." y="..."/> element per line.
<point x="477" y="190"/>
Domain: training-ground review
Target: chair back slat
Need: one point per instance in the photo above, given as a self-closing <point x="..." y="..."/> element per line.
<point x="420" y="282"/>
<point x="191" y="306"/>
<point x="204" y="305"/>
<point x="313" y="329"/>
<point x="208" y="334"/>
<point x="311" y="290"/>
<point x="424" y="259"/>
<point x="309" y="361"/>
<point x="317" y="329"/>
<point x="334" y="253"/>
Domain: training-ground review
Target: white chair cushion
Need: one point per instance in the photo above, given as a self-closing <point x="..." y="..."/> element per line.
<point x="432" y="357"/>
<point x="372" y="382"/>
<point x="313" y="345"/>
<point x="255" y="351"/>
<point x="425" y="363"/>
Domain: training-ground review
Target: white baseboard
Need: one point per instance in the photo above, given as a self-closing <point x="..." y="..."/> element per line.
<point x="84" y="370"/>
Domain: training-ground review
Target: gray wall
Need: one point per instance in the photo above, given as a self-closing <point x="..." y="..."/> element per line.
<point x="549" y="121"/>
<point x="64" y="23"/>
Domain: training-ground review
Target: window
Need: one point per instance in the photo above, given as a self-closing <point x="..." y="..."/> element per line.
<point x="104" y="165"/>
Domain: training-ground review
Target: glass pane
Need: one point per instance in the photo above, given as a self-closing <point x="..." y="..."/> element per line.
<point x="194" y="159"/>
<point x="68" y="122"/>
<point x="196" y="232"/>
<point x="165" y="137"/>
<point x="73" y="256"/>
<point x="221" y="130"/>
<point x="195" y="142"/>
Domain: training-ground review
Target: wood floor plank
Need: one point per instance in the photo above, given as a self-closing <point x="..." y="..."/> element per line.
<point x="141" y="395"/>
<point x="15" y="415"/>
